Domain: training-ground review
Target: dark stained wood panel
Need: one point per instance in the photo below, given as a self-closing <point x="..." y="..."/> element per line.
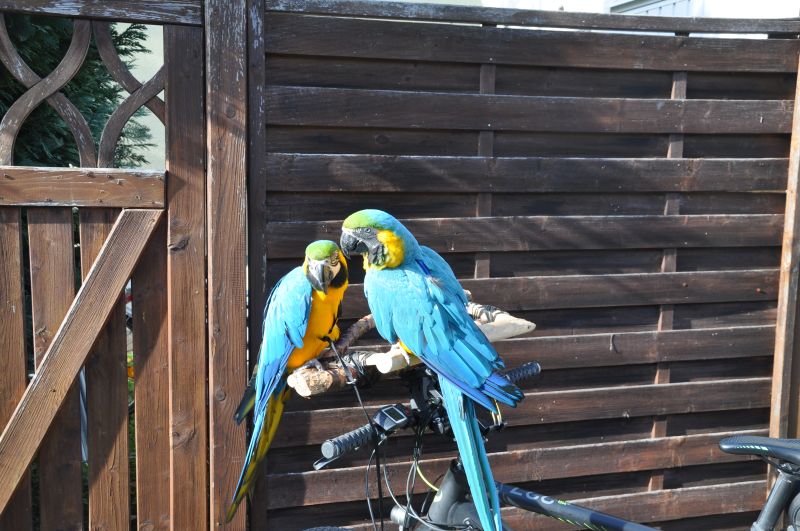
<point x="724" y="146"/>
<point x="658" y="506"/>
<point x="314" y="427"/>
<point x="584" y="291"/>
<point x="516" y="144"/>
<point x="372" y="74"/>
<point x="521" y="465"/>
<point x="740" y="86"/>
<point x="313" y="206"/>
<point x="692" y="502"/>
<point x="565" y="210"/>
<point x="377" y="141"/>
<point x="299" y="172"/>
<point x="258" y="283"/>
<point x="583" y="82"/>
<point x="521" y="17"/>
<point x="342" y="37"/>
<point x="556" y="232"/>
<point x="595" y="350"/>
<point x="329" y="107"/>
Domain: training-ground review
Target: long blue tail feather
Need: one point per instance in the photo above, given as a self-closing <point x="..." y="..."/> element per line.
<point x="461" y="412"/>
<point x="501" y="389"/>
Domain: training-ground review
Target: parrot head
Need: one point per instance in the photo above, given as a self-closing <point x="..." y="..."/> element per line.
<point x="324" y="264"/>
<point x="379" y="237"/>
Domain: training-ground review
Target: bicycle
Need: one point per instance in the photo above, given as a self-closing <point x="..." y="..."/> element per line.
<point x="451" y="508"/>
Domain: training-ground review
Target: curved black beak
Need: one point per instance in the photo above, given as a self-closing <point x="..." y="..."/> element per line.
<point x="352" y="244"/>
<point x="319" y="275"/>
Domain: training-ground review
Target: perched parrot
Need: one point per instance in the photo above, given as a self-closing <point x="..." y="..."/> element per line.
<point x="415" y="298"/>
<point x="300" y="316"/>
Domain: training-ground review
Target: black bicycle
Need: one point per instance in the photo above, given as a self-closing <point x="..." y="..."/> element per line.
<point x="451" y="508"/>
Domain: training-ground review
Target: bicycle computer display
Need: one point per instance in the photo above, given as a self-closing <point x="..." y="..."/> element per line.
<point x="389" y="418"/>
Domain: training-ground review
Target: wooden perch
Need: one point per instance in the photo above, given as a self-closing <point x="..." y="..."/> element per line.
<point x="493" y="322"/>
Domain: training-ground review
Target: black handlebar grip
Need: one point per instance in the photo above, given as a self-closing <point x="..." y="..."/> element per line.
<point x="347" y="442"/>
<point x="529" y="370"/>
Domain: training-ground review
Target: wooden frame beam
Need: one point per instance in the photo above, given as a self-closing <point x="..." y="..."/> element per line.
<point x="226" y="196"/>
<point x="81" y="187"/>
<point x="71" y="344"/>
<point x="519" y="17"/>
<point x="783" y="419"/>
<point x="187" y="12"/>
<point x="186" y="276"/>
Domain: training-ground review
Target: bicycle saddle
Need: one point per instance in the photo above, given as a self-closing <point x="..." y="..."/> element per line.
<point x="782" y="449"/>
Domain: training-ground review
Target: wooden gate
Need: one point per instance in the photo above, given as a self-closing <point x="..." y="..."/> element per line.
<point x="110" y="215"/>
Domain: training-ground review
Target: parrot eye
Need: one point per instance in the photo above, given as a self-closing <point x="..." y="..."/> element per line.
<point x="334" y="259"/>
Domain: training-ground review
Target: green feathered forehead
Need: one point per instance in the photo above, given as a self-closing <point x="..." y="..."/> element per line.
<point x="377" y="219"/>
<point x="321" y="249"/>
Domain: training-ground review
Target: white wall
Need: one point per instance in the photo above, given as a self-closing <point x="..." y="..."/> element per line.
<point x="718" y="8"/>
<point x="707" y="8"/>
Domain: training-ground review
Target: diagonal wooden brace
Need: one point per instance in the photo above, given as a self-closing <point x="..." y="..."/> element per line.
<point x="68" y="351"/>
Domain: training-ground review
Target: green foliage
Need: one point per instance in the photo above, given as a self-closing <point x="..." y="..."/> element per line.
<point x="44" y="139"/>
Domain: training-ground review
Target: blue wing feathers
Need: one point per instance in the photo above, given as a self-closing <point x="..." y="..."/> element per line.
<point x="422" y="304"/>
<point x="285" y="321"/>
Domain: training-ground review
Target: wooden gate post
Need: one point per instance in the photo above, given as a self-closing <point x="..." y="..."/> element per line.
<point x="186" y="277"/>
<point x="783" y="420"/>
<point x="226" y="114"/>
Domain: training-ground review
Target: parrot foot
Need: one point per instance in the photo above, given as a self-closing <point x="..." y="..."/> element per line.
<point x="313" y="363"/>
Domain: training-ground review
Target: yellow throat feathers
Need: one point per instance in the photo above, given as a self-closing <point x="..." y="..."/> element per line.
<point x="395" y="251"/>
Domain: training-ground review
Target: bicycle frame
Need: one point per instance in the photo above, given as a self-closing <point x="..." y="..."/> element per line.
<point x="565" y="511"/>
<point x="452" y="507"/>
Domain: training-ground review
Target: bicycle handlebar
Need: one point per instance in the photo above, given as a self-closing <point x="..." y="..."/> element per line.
<point x="390" y="418"/>
<point x="347" y="442"/>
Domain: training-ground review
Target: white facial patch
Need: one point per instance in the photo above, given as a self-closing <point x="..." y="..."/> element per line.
<point x="336" y="266"/>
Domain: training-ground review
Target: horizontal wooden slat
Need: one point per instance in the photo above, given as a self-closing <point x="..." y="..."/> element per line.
<point x="515" y="466"/>
<point x="314" y="427"/>
<point x="653" y="506"/>
<point x="627" y="348"/>
<point x="520" y="17"/>
<point x="535" y="233"/>
<point x="659" y="506"/>
<point x="81" y="187"/>
<point x="632" y="348"/>
<point x="296" y="172"/>
<point x="340" y="37"/>
<point x="322" y="106"/>
<point x="144" y="11"/>
<point x="366" y="73"/>
<point x="596" y="291"/>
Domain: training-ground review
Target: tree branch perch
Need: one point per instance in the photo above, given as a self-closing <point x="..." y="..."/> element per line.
<point x="363" y="366"/>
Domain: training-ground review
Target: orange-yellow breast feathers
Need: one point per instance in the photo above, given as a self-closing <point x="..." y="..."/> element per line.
<point x="321" y="323"/>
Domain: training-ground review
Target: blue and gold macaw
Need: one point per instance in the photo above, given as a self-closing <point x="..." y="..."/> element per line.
<point x="415" y="298"/>
<point x="300" y="317"/>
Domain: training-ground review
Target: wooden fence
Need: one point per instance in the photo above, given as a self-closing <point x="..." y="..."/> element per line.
<point x="628" y="192"/>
